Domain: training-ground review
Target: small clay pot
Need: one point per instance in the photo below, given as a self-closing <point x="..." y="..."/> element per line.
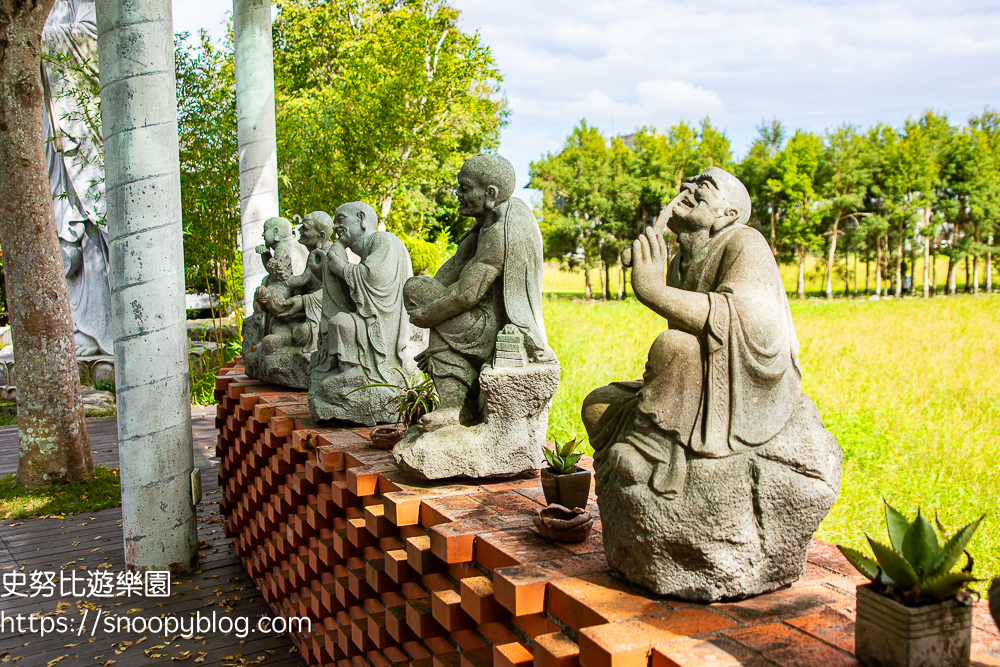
<point x="571" y="489"/>
<point x="560" y="524"/>
<point x="386" y="437"/>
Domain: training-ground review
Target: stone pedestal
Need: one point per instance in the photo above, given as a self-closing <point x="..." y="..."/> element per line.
<point x="742" y="524"/>
<point x="510" y="439"/>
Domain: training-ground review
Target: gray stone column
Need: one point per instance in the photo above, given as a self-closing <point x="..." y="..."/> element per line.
<point x="142" y="179"/>
<point x="257" y="138"/>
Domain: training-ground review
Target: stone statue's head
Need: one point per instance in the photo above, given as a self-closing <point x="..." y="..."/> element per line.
<point x="484" y="182"/>
<point x="276" y="230"/>
<point x="714" y="199"/>
<point x="315" y="229"/>
<point x="354" y="222"/>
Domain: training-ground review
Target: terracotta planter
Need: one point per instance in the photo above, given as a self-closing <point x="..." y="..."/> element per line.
<point x="560" y="524"/>
<point x="571" y="489"/>
<point x="386" y="437"/>
<point x="889" y="634"/>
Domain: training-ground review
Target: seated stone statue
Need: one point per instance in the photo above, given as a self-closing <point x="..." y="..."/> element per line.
<point x="714" y="471"/>
<point x="364" y="335"/>
<point x="273" y="337"/>
<point x="491" y="420"/>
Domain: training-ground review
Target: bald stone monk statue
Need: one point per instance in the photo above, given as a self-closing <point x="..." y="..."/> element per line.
<point x="364" y="334"/>
<point x="714" y="470"/>
<point x="487" y="353"/>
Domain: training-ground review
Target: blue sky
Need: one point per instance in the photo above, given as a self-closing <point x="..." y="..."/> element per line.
<point x="622" y="64"/>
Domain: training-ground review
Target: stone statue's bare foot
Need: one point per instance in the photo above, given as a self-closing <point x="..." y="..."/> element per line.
<point x="439" y="418"/>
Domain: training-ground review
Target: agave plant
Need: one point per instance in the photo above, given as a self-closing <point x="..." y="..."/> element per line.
<point x="562" y="458"/>
<point x="916" y="568"/>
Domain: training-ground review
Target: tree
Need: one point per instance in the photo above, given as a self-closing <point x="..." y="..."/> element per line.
<point x="756" y="171"/>
<point x="380" y="101"/>
<point x="797" y="168"/>
<point x="210" y="196"/>
<point x="52" y="434"/>
<point x="846" y="168"/>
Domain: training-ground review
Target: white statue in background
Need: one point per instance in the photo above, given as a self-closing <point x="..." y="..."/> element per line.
<point x="73" y="145"/>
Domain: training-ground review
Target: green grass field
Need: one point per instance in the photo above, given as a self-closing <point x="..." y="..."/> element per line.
<point x="910" y="388"/>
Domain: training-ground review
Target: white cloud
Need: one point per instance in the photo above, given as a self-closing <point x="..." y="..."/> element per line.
<point x="811" y="64"/>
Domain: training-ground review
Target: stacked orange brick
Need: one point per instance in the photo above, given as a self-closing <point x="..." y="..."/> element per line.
<point x="395" y="570"/>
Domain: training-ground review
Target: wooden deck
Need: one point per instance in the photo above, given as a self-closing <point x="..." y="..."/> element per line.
<point x="86" y="542"/>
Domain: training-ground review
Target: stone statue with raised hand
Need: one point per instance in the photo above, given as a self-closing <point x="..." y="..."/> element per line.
<point x="493" y="412"/>
<point x="714" y="470"/>
<point x="274" y="338"/>
<point x="365" y="338"/>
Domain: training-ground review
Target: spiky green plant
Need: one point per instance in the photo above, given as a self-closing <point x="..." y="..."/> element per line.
<point x="562" y="458"/>
<point x="916" y="568"/>
<point x="415" y="398"/>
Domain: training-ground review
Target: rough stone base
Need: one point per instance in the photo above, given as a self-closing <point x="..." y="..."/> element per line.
<point x="287" y="367"/>
<point x="743" y="524"/>
<point x="508" y="442"/>
<point x="335" y="399"/>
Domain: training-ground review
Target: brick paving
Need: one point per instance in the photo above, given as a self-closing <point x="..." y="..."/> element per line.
<point x="394" y="569"/>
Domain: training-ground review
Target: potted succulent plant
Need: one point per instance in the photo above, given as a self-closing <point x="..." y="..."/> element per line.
<point x="916" y="611"/>
<point x="564" y="482"/>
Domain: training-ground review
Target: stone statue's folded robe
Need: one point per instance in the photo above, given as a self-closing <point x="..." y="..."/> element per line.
<point x="459" y="347"/>
<point x="720" y="393"/>
<point x="363" y="324"/>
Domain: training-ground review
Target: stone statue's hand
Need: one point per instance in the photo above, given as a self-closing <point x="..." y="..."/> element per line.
<point x="423" y="362"/>
<point x="316" y="259"/>
<point x="649" y="257"/>
<point x="291" y="306"/>
<point x="72" y="257"/>
<point x="420" y="318"/>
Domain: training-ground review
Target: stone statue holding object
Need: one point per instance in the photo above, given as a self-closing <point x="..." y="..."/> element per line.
<point x="494" y="395"/>
<point x="365" y="338"/>
<point x="277" y="342"/>
<point x="713" y="471"/>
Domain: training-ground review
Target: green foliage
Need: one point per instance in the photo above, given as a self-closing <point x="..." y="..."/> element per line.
<point x="101" y="491"/>
<point x="105" y="385"/>
<point x="562" y="458"/>
<point x="427" y="257"/>
<point x="380" y="102"/>
<point x="917" y="566"/>
<point x="415" y="396"/>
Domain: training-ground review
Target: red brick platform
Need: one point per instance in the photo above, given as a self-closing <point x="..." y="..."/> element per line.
<point x="394" y="570"/>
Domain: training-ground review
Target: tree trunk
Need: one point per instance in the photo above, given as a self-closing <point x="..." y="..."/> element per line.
<point x="934" y="270"/>
<point x="800" y="285"/>
<point x="139" y="118"/>
<point x="952" y="282"/>
<point x="621" y="281"/>
<point x="258" y="152"/>
<point x="868" y="271"/>
<point x="878" y="268"/>
<point x="968" y="283"/>
<point x="989" y="267"/>
<point x="830" y="256"/>
<point x="927" y="268"/>
<point x="588" y="291"/>
<point x="600" y="272"/>
<point x="52" y="436"/>
<point x="607" y="282"/>
<point x="898" y="291"/>
<point x="774" y="225"/>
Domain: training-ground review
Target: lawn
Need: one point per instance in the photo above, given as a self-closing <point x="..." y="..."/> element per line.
<point x="910" y="388"/>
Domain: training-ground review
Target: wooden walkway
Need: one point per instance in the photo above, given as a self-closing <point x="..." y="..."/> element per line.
<point x="86" y="542"/>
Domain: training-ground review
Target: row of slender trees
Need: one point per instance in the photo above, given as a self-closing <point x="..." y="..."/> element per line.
<point x="891" y="196"/>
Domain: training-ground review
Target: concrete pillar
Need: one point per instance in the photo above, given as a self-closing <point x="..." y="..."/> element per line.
<point x="142" y="179"/>
<point x="257" y="137"/>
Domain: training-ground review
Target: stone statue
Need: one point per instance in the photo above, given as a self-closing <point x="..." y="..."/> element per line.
<point x="494" y="407"/>
<point x="76" y="173"/>
<point x="276" y="341"/>
<point x="364" y="335"/>
<point x="714" y="471"/>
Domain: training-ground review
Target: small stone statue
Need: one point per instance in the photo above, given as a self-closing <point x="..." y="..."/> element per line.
<point x="364" y="335"/>
<point x="274" y="337"/>
<point x="714" y="471"/>
<point x="488" y="354"/>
